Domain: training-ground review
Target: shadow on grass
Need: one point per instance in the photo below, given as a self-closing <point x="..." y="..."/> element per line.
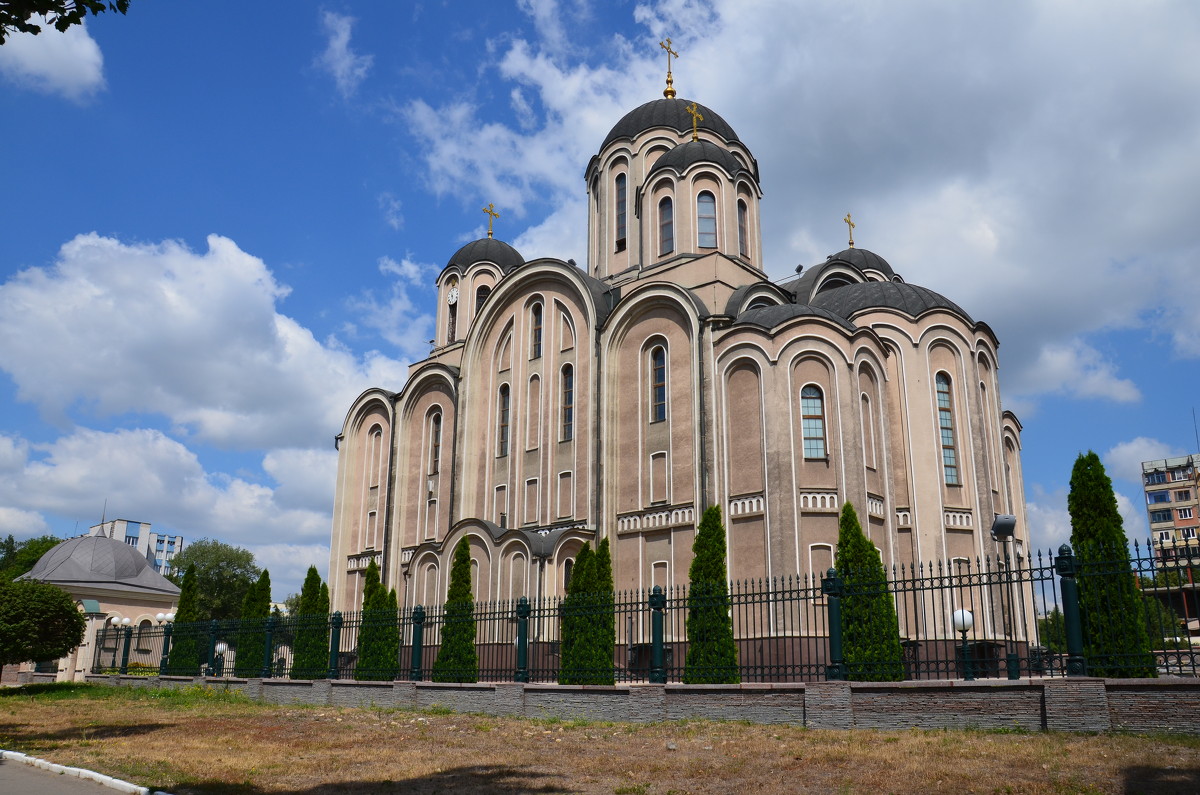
<point x="24" y="733"/>
<point x="479" y="778"/>
<point x="1164" y="780"/>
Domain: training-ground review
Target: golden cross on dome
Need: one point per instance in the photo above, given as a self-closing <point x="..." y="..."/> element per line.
<point x="492" y="215"/>
<point x="850" y="224"/>
<point x="669" y="91"/>
<point x="696" y="119"/>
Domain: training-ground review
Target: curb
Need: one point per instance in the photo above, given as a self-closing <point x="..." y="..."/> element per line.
<point x="78" y="772"/>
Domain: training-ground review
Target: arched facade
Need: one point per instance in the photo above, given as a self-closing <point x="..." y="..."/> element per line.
<point x="562" y="404"/>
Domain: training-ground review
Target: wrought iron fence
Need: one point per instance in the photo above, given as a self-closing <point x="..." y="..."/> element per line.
<point x="962" y="619"/>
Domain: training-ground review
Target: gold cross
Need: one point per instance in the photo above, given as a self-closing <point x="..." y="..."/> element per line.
<point x="850" y="224"/>
<point x="696" y="119"/>
<point x="492" y="215"/>
<point x="669" y="91"/>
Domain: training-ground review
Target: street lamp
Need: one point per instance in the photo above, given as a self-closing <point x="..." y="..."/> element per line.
<point x="219" y="663"/>
<point x="963" y="621"/>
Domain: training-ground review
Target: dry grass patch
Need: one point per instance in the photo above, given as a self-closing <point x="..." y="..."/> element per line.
<point x="205" y="742"/>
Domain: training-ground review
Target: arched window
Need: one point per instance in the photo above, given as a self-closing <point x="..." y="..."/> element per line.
<point x="666" y="227"/>
<point x="658" y="384"/>
<point x="502" y="422"/>
<point x="743" y="240"/>
<point x="535" y="345"/>
<point x="946" y="425"/>
<point x="435" y="442"/>
<point x="451" y="323"/>
<point x="706" y="220"/>
<point x="812" y="421"/>
<point x="568" y="566"/>
<point x="621" y="212"/>
<point x="481" y="294"/>
<point x="568" y="402"/>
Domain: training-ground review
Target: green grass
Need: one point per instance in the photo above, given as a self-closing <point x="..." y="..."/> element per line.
<point x="190" y="696"/>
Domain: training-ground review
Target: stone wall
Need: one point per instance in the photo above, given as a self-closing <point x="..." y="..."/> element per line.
<point x="1082" y="704"/>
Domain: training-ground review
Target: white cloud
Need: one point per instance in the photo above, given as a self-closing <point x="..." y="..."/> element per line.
<point x="22" y="524"/>
<point x="395" y="317"/>
<point x="1049" y="522"/>
<point x="68" y="63"/>
<point x="304" y="478"/>
<point x="192" y="337"/>
<point x="390" y="206"/>
<point x="1124" y="460"/>
<point x="347" y="68"/>
<point x="1133" y="518"/>
<point x="288" y="564"/>
<point x="1076" y="369"/>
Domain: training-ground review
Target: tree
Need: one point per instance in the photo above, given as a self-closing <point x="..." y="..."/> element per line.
<point x="223" y="575"/>
<point x="870" y="629"/>
<point x="38" y="622"/>
<point x="1110" y="606"/>
<point x="310" y="654"/>
<point x="572" y="648"/>
<point x="378" y="632"/>
<point x="712" y="655"/>
<point x="18" y="557"/>
<point x="189" y="634"/>
<point x="457" y="660"/>
<point x="1052" y="631"/>
<point x="252" y="633"/>
<point x="22" y="16"/>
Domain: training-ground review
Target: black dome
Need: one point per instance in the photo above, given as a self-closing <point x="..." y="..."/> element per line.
<point x="910" y="299"/>
<point x="863" y="260"/>
<point x="670" y="113"/>
<point x="487" y="249"/>
<point x="684" y="155"/>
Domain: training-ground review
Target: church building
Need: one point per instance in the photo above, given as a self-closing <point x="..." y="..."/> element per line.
<point x="562" y="403"/>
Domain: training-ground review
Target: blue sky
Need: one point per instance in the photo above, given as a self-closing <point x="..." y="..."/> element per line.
<point x="220" y="222"/>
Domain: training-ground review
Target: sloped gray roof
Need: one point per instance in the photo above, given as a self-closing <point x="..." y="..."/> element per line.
<point x="96" y="561"/>
<point x="911" y="299"/>
<point x="487" y="249"/>
<point x="863" y="260"/>
<point x="685" y="154"/>
<point x="771" y="316"/>
<point x="669" y="113"/>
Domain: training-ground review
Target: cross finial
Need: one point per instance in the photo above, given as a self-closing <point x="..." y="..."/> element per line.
<point x="693" y="109"/>
<point x="850" y="224"/>
<point x="492" y="215"/>
<point x="669" y="91"/>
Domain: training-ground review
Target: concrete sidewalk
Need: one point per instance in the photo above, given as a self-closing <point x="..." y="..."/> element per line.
<point x="18" y="777"/>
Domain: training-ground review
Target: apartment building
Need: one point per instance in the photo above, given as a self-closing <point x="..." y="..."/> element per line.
<point x="158" y="548"/>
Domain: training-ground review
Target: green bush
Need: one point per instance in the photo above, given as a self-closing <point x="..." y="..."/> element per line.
<point x="588" y="626"/>
<point x="870" y="629"/>
<point x="712" y="655"/>
<point x="188" y="636"/>
<point x="379" y="632"/>
<point x="310" y="652"/>
<point x="457" y="660"/>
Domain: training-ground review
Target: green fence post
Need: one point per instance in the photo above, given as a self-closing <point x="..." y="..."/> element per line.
<point x="268" y="650"/>
<point x="658" y="603"/>
<point x="523" y="612"/>
<point x="162" y="664"/>
<point x="418" y="619"/>
<point x="335" y="643"/>
<point x="1067" y="566"/>
<point x="212" y="649"/>
<point x="833" y="588"/>
<point x="125" y="653"/>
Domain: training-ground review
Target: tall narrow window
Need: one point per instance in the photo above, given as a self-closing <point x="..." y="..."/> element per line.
<point x="706" y="220"/>
<point x="481" y="294"/>
<point x="666" y="227"/>
<point x="868" y="432"/>
<point x="451" y="323"/>
<point x="502" y="422"/>
<point x="946" y="425"/>
<point x="621" y="212"/>
<point x="435" y="442"/>
<point x="535" y="346"/>
<point x="812" y="421"/>
<point x="743" y="241"/>
<point x="658" y="384"/>
<point x="568" y="402"/>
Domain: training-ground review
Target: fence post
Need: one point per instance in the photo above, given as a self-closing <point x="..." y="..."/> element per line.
<point x="212" y="649"/>
<point x="125" y="653"/>
<point x="1067" y="566"/>
<point x="162" y="664"/>
<point x="658" y="602"/>
<point x="268" y="666"/>
<point x="418" y="619"/>
<point x="523" y="611"/>
<point x="335" y="643"/>
<point x="833" y="588"/>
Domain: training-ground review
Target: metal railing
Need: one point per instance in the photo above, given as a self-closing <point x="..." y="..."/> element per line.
<point x="961" y="619"/>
